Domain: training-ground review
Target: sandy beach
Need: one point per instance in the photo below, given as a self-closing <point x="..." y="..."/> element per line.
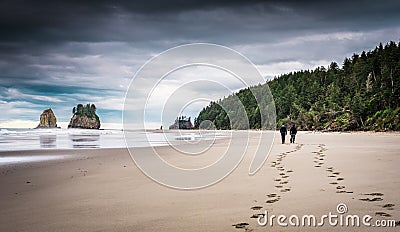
<point x="103" y="190"/>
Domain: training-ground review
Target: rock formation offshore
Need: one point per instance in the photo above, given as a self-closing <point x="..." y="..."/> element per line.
<point x="47" y="119"/>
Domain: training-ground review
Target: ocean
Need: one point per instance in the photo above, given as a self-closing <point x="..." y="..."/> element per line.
<point x="57" y="138"/>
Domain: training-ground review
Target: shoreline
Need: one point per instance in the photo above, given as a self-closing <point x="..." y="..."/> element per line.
<point x="102" y="189"/>
<point x="389" y="133"/>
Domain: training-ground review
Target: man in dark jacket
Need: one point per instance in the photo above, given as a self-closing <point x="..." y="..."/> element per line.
<point x="293" y="132"/>
<point x="283" y="131"/>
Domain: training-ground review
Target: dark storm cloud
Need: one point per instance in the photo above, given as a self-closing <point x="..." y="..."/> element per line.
<point x="85" y="21"/>
<point x="95" y="21"/>
<point x="30" y="30"/>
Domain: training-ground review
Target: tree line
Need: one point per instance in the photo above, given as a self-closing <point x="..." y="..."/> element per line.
<point x="88" y="110"/>
<point x="362" y="94"/>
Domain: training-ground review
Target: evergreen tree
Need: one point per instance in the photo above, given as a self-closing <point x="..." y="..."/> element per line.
<point x="88" y="110"/>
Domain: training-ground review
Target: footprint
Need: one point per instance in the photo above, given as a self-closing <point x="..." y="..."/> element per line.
<point x="277" y="179"/>
<point x="272" y="195"/>
<point x="257" y="215"/>
<point x="373" y="194"/>
<point x="334" y="183"/>
<point x="285" y="190"/>
<point x="340" y="187"/>
<point x="289" y="171"/>
<point x="343" y="191"/>
<point x="340" y="178"/>
<point x="317" y="166"/>
<point x="383" y="214"/>
<point x="371" y="199"/>
<point x="256" y="207"/>
<point x="241" y="225"/>
<point x="285" y="177"/>
<point x="283" y="182"/>
<point x="278" y="186"/>
<point x="388" y="206"/>
<point x="272" y="201"/>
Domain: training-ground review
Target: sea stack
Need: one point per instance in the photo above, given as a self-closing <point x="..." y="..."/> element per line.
<point x="84" y="117"/>
<point x="182" y="122"/>
<point x="47" y="119"/>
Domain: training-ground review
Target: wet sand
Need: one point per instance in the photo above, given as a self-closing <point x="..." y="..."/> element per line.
<point x="103" y="190"/>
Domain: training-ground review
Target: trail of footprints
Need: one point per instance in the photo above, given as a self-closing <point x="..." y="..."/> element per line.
<point x="333" y="175"/>
<point x="281" y="185"/>
<point x="336" y="180"/>
<point x="319" y="157"/>
<point x="373" y="197"/>
<point x="282" y="180"/>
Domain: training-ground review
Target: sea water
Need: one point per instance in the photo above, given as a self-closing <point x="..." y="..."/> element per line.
<point x="47" y="139"/>
<point x="57" y="138"/>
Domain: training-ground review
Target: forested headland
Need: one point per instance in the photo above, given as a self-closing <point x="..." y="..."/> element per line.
<point x="362" y="94"/>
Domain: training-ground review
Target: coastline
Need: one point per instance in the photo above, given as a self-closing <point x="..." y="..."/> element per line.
<point x="102" y="189"/>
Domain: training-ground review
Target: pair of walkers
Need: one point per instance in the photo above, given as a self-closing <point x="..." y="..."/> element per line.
<point x="292" y="130"/>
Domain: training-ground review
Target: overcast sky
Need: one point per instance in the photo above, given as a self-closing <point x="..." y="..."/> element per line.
<point x="60" y="53"/>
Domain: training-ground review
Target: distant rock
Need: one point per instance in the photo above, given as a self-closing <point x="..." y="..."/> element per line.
<point x="84" y="117"/>
<point x="182" y="123"/>
<point x="47" y="119"/>
<point x="84" y="122"/>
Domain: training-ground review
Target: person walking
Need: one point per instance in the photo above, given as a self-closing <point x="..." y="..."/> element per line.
<point x="283" y="131"/>
<point x="293" y="132"/>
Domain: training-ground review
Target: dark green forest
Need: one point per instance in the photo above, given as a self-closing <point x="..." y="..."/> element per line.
<point x="362" y="94"/>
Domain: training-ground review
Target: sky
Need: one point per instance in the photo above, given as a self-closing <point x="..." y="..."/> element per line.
<point x="60" y="53"/>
